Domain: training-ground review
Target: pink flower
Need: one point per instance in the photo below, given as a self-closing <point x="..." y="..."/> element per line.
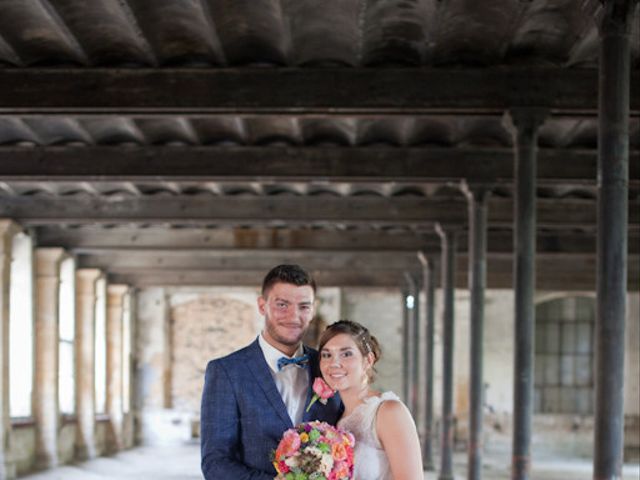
<point x="322" y="392"/>
<point x="289" y="444"/>
<point x="342" y="470"/>
<point x="339" y="452"/>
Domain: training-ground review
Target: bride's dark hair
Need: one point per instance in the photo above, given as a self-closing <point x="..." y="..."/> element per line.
<point x="366" y="342"/>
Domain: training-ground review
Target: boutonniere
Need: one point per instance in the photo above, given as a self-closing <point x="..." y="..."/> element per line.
<point x="321" y="391"/>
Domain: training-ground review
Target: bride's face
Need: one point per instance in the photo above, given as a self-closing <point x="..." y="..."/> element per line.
<point x="342" y="364"/>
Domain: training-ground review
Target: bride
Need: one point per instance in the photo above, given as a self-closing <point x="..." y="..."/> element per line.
<point x="387" y="445"/>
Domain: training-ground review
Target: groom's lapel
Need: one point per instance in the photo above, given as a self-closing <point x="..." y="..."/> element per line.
<point x="313" y="373"/>
<point x="261" y="372"/>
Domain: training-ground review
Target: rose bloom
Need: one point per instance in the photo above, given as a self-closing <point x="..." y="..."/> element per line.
<point x="348" y="438"/>
<point x="321" y="388"/>
<point x="338" y="452"/>
<point x="341" y="469"/>
<point x="289" y="445"/>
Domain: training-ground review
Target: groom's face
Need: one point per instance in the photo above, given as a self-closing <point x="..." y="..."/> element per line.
<point x="287" y="311"/>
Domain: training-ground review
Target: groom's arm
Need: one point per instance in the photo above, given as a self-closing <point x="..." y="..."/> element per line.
<point x="220" y="430"/>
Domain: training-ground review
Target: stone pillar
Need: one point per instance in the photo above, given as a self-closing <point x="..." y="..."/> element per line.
<point x="128" y="425"/>
<point x="115" y="304"/>
<point x="429" y="290"/>
<point x="86" y="279"/>
<point x="524" y="125"/>
<point x="613" y="210"/>
<point x="477" y="197"/>
<point x="152" y="376"/>
<point x="7" y="230"/>
<point x="448" y="239"/>
<point x="45" y="406"/>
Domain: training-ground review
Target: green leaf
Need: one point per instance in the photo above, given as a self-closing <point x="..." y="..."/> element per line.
<point x="324" y="447"/>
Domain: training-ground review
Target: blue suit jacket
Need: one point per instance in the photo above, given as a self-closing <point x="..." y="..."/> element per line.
<point x="243" y="416"/>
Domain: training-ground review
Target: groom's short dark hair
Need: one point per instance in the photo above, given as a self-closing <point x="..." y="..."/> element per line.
<point x="293" y="274"/>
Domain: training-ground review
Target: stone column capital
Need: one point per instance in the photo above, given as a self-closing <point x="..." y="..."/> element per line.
<point x="116" y="292"/>
<point x="48" y="261"/>
<point x="86" y="279"/>
<point x="8" y="228"/>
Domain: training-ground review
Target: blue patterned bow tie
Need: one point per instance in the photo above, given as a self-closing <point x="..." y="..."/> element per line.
<point x="301" y="361"/>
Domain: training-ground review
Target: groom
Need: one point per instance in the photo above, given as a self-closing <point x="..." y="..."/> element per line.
<point x="253" y="395"/>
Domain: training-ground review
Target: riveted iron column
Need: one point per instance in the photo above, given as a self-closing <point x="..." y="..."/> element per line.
<point x="429" y="291"/>
<point x="525" y="123"/>
<point x="448" y="240"/>
<point x="613" y="180"/>
<point x="477" y="197"/>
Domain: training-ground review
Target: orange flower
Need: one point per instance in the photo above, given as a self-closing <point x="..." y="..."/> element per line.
<point x="338" y="452"/>
<point x="341" y="469"/>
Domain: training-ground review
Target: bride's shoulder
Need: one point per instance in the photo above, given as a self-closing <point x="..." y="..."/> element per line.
<point x="391" y="409"/>
<point x="393" y="422"/>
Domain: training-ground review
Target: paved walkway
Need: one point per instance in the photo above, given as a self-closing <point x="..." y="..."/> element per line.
<point x="183" y="463"/>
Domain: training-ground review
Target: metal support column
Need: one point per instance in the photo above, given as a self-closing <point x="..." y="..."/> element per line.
<point x="477" y="197"/>
<point x="414" y="342"/>
<point x="448" y="240"/>
<point x="405" y="347"/>
<point x="613" y="180"/>
<point x="429" y="291"/>
<point x="525" y="123"/>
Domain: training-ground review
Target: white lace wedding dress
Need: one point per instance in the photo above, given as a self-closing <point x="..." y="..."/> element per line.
<point x="371" y="462"/>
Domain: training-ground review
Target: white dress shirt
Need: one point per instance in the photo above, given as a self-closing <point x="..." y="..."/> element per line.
<point x="292" y="381"/>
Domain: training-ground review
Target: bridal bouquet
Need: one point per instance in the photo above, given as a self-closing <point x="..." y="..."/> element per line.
<point x="315" y="451"/>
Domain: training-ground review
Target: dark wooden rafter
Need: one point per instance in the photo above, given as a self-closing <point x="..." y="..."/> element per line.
<point x="552" y="273"/>
<point x="92" y="240"/>
<point x="247" y="278"/>
<point x="289" y="210"/>
<point x="415" y="164"/>
<point x="243" y="259"/>
<point x="302" y="91"/>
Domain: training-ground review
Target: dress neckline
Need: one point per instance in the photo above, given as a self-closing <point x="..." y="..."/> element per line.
<point x="367" y="401"/>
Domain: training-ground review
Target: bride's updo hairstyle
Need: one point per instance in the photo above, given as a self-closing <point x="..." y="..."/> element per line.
<point x="366" y="342"/>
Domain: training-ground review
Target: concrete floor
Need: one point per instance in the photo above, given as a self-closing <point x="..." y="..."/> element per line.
<point x="183" y="463"/>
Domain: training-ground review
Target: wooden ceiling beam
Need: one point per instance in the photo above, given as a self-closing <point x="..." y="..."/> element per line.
<point x="327" y="164"/>
<point x="252" y="278"/>
<point x="552" y="273"/>
<point x="161" y="260"/>
<point x="302" y="90"/>
<point x="97" y="239"/>
<point x="249" y="260"/>
<point x="290" y="210"/>
<point x="90" y="239"/>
